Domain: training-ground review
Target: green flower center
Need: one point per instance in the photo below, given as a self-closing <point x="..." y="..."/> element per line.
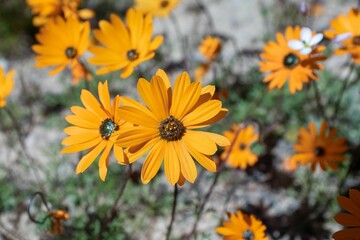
<point x="356" y="40"/>
<point x="319" y="151"/>
<point x="132" y="55"/>
<point x="171" y="129"/>
<point x="107" y="128"/>
<point x="242" y="146"/>
<point x="70" y="52"/>
<point x="248" y="235"/>
<point x="291" y="60"/>
<point x="164" y="3"/>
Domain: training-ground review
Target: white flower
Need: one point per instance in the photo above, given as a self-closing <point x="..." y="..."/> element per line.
<point x="306" y="42"/>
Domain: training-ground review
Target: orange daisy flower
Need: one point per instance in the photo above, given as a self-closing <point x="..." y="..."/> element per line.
<point x="347" y="25"/>
<point x="210" y="47"/>
<point x="79" y="72"/>
<point x="49" y="9"/>
<point x="240" y="155"/>
<point x="96" y="126"/>
<point x="319" y="148"/>
<point x="157" y="8"/>
<point x="124" y="47"/>
<point x="56" y="217"/>
<point x="351" y="219"/>
<point x="288" y="65"/>
<point x="6" y="85"/>
<point x="242" y="227"/>
<point x="61" y="43"/>
<point x="166" y="127"/>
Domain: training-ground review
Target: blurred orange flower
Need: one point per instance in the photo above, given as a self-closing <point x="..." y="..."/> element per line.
<point x="124" y="47"/>
<point x="56" y="217"/>
<point x="243" y="227"/>
<point x="351" y="219"/>
<point x="347" y="25"/>
<point x="319" y="148"/>
<point x="287" y="65"/>
<point x="240" y="155"/>
<point x="157" y="8"/>
<point x="79" y="72"/>
<point x="49" y="9"/>
<point x="61" y="43"/>
<point x="6" y="85"/>
<point x="97" y="126"/>
<point x="210" y="47"/>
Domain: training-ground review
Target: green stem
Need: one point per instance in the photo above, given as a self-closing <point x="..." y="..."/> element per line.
<point x="173" y="213"/>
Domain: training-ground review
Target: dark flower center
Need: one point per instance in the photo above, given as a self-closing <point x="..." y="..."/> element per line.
<point x="171" y="129"/>
<point x="107" y="128"/>
<point x="242" y="146"/>
<point x="291" y="60"/>
<point x="248" y="235"/>
<point x="164" y="3"/>
<point x="319" y="151"/>
<point x="70" y="52"/>
<point x="132" y="55"/>
<point x="356" y="40"/>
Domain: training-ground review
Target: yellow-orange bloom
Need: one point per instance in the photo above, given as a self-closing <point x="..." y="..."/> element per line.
<point x="96" y="127"/>
<point x="347" y="25"/>
<point x="56" y="217"/>
<point x="210" y="47"/>
<point x="242" y="227"/>
<point x="6" y="85"/>
<point x="351" y="219"/>
<point x="157" y="8"/>
<point x="319" y="148"/>
<point x="49" y="9"/>
<point x="124" y="47"/>
<point x="241" y="154"/>
<point x="61" y="43"/>
<point x="166" y="127"/>
<point x="79" y="72"/>
<point x="287" y="65"/>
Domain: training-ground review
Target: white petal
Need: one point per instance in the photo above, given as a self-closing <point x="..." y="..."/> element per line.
<point x="316" y="39"/>
<point x="305" y="51"/>
<point x="296" y="44"/>
<point x="342" y="37"/>
<point x="305" y="34"/>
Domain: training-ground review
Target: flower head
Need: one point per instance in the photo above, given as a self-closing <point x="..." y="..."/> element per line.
<point x="243" y="227"/>
<point x="351" y="219"/>
<point x="61" y="43"/>
<point x="167" y="127"/>
<point x="319" y="148"/>
<point x="210" y="47"/>
<point x="240" y="154"/>
<point x="124" y="47"/>
<point x="288" y="65"/>
<point x="96" y="127"/>
<point x="79" y="72"/>
<point x="49" y="9"/>
<point x="157" y="8"/>
<point x="56" y="217"/>
<point x="6" y="85"/>
<point x="346" y="26"/>
<point x="307" y="41"/>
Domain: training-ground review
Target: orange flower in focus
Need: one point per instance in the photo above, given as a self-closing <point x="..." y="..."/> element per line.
<point x="6" y="85"/>
<point x="56" y="217"/>
<point x="351" y="219"/>
<point x="242" y="227"/>
<point x="240" y="155"/>
<point x="157" y="8"/>
<point x="287" y="65"/>
<point x="347" y="25"/>
<point x="319" y="148"/>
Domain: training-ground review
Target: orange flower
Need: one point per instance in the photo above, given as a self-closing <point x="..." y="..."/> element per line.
<point x="288" y="65"/>
<point x="242" y="227"/>
<point x="210" y="47"/>
<point x="56" y="217"/>
<point x="319" y="148"/>
<point x="157" y="8"/>
<point x="347" y="25"/>
<point x="351" y="219"/>
<point x="125" y="47"/>
<point x="240" y="155"/>
<point x="201" y="71"/>
<point x="6" y="85"/>
<point x="79" y="72"/>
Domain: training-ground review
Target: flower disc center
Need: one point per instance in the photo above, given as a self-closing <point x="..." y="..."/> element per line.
<point x="70" y="52"/>
<point x="132" y="55"/>
<point x="291" y="60"/>
<point x="107" y="128"/>
<point x="164" y="3"/>
<point x="248" y="235"/>
<point x="171" y="129"/>
<point x="242" y="146"/>
<point x="356" y="40"/>
<point x="319" y="151"/>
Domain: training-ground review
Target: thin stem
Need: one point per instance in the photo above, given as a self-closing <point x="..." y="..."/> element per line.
<point x="173" y="212"/>
<point x="181" y="39"/>
<point x="43" y="199"/>
<point x="207" y="14"/>
<point x="320" y="106"/>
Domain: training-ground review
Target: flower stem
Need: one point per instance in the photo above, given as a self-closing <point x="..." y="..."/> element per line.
<point x="320" y="106"/>
<point x="173" y="212"/>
